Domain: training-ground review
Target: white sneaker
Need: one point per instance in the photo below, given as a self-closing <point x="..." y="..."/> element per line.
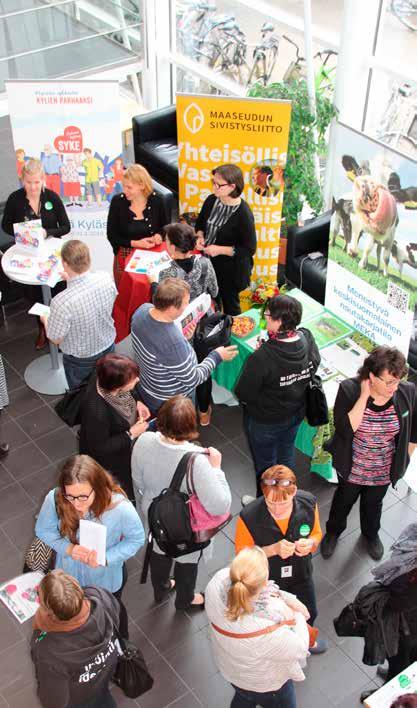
<point x="247" y="499"/>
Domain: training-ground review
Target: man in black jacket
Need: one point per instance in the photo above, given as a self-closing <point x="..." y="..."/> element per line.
<point x="73" y="644"/>
<point x="273" y="383"/>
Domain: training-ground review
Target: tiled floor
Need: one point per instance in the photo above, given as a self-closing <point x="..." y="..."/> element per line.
<point x="176" y="645"/>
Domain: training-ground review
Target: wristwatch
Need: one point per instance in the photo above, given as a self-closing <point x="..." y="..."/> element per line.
<point x="129" y="434"/>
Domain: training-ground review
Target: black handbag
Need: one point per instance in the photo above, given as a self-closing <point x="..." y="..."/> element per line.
<point x="131" y="674"/>
<point x="317" y="411"/>
<point x="348" y="624"/>
<point x="205" y="340"/>
<point x="69" y="407"/>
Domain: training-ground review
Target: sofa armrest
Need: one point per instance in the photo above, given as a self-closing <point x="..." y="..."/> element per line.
<point x="155" y="125"/>
<point x="313" y="236"/>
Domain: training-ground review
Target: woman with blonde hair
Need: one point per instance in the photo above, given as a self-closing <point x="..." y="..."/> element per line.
<point x="136" y="217"/>
<point x="86" y="491"/>
<point x="35" y="201"/>
<point x="259" y="633"/>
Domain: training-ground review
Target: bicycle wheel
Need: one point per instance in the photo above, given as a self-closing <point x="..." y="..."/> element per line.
<point x="406" y="12"/>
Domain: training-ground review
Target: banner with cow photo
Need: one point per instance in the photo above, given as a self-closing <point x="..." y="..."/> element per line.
<point x="73" y="128"/>
<point x="372" y="268"/>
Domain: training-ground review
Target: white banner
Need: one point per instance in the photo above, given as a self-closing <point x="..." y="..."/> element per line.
<point x="73" y="127"/>
<point x="372" y="267"/>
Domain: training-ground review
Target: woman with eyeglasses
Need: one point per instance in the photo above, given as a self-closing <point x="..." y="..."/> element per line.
<point x="285" y="523"/>
<point x="375" y="418"/>
<point x="86" y="491"/>
<point x="226" y="231"/>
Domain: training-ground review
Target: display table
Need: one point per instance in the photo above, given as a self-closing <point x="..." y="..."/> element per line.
<point x="134" y="290"/>
<point x="46" y="373"/>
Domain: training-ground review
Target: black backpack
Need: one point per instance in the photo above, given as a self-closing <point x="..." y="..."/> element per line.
<point x="169" y="520"/>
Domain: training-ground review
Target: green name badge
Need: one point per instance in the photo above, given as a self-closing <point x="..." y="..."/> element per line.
<point x="404" y="415"/>
<point x="48" y="206"/>
<point x="304" y="530"/>
<point x="404" y="681"/>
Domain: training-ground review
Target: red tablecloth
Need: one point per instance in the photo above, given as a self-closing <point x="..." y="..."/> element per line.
<point x="134" y="290"/>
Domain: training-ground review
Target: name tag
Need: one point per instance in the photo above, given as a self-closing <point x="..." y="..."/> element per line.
<point x="286" y="571"/>
<point x="404" y="415"/>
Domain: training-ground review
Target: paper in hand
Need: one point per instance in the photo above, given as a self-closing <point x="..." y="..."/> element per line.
<point x="39" y="309"/>
<point x="93" y="536"/>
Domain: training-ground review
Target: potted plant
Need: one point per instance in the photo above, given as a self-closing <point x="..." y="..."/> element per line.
<point x="300" y="178"/>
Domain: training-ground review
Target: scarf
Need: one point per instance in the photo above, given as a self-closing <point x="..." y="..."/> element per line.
<point x="283" y="334"/>
<point x="403" y="557"/>
<point x="123" y="402"/>
<point x="44" y="621"/>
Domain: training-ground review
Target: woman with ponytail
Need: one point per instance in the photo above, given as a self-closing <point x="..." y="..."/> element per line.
<point x="259" y="633"/>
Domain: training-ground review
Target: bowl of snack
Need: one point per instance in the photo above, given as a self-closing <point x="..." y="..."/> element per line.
<point x="243" y="325"/>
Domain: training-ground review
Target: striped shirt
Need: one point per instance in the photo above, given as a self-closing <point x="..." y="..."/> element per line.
<point x="167" y="362"/>
<point x="374" y="445"/>
<point x="220" y="214"/>
<point x="81" y="316"/>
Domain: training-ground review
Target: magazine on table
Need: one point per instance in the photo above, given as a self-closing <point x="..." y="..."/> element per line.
<point x="20" y="595"/>
<point x="30" y="236"/>
<point x="144" y="262"/>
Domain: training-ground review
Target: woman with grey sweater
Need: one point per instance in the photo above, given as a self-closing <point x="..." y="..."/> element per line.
<point x="154" y="460"/>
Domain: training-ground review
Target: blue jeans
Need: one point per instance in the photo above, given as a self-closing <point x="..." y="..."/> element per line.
<point x="77" y="370"/>
<point x="271" y="443"/>
<point x="284" y="697"/>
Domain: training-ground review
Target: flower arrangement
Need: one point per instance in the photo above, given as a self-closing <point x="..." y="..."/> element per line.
<point x="261" y="291"/>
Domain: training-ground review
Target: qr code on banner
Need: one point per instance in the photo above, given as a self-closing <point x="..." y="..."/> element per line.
<point x="397" y="297"/>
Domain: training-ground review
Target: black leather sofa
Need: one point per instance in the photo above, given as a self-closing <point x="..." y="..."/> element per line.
<point x="310" y="274"/>
<point x="155" y="145"/>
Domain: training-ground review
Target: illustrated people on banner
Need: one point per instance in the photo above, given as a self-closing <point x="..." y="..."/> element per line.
<point x="51" y="163"/>
<point x="94" y="169"/>
<point x="71" y="181"/>
<point x="20" y="161"/>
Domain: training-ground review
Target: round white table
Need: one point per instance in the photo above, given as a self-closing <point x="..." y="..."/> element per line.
<point x="46" y="373"/>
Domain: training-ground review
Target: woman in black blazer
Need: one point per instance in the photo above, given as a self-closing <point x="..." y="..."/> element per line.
<point x="112" y="417"/>
<point x="136" y="217"/>
<point x="226" y="229"/>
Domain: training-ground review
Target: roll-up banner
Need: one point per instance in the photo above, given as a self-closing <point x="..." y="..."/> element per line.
<point x="251" y="133"/>
<point x="372" y="267"/>
<point x="73" y="128"/>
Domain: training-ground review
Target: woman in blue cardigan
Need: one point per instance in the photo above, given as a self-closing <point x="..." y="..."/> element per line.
<point x="86" y="491"/>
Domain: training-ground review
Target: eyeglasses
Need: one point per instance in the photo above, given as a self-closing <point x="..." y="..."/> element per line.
<point x="276" y="482"/>
<point x="267" y="314"/>
<point x="389" y="384"/>
<point x="81" y="497"/>
<point x="219" y="186"/>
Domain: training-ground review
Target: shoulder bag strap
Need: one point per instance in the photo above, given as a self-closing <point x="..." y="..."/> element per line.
<point x="310" y="363"/>
<point x="204" y="270"/>
<point x="249" y="635"/>
<point x="180" y="471"/>
<point x="190" y="472"/>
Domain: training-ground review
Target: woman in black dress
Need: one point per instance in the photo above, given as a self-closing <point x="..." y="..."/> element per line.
<point x="34" y="201"/>
<point x="136" y="217"/>
<point x="226" y="229"/>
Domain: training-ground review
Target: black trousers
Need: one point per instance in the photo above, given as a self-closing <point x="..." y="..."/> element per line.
<point x="185" y="576"/>
<point x="123" y="618"/>
<point x="305" y="592"/>
<point x="407" y="654"/>
<point x="346" y="494"/>
<point x="203" y="393"/>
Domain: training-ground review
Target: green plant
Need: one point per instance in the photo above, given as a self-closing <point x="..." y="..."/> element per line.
<point x="300" y="176"/>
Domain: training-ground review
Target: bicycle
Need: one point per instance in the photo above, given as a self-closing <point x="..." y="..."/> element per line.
<point x="264" y="55"/>
<point x="406" y="12"/>
<point x="324" y="77"/>
<point x="399" y="120"/>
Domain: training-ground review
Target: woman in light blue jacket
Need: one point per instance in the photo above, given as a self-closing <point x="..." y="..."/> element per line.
<point x="87" y="491"/>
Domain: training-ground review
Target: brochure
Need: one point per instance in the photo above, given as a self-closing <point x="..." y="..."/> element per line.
<point x="311" y="307"/>
<point x="144" y="262"/>
<point x="326" y="328"/>
<point x="20" y="595"/>
<point x="194" y="311"/>
<point x="46" y="270"/>
<point x="30" y="236"/>
<point x="93" y="536"/>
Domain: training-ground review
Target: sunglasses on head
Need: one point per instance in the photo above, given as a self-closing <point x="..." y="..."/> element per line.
<point x="276" y="482"/>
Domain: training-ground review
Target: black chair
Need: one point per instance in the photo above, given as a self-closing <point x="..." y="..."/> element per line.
<point x="303" y="268"/>
<point x="156" y="146"/>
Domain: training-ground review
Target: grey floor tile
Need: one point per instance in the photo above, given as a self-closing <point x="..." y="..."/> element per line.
<point x="37" y="485"/>
<point x="165" y="627"/>
<point x="40" y="422"/>
<point x="335" y="675"/>
<point x="21" y="528"/>
<point x="23" y="400"/>
<point x="13" y="378"/>
<point x="353" y="700"/>
<point x="222" y="552"/>
<point x="24" y="698"/>
<point x="21" y="351"/>
<point x="58" y="444"/>
<point x="16" y="671"/>
<point x="15" y="326"/>
<point x="12" y="433"/>
<point x="14" y="501"/>
<point x="310" y="697"/>
<point x="167" y="688"/>
<point x="25" y="460"/>
<point x="10" y="633"/>
<point x="214" y="691"/>
<point x="228" y="419"/>
<point x="396" y="518"/>
<point x="188" y="658"/>
<point x="187" y="701"/>
<point x="5" y="478"/>
<point x="210" y="436"/>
